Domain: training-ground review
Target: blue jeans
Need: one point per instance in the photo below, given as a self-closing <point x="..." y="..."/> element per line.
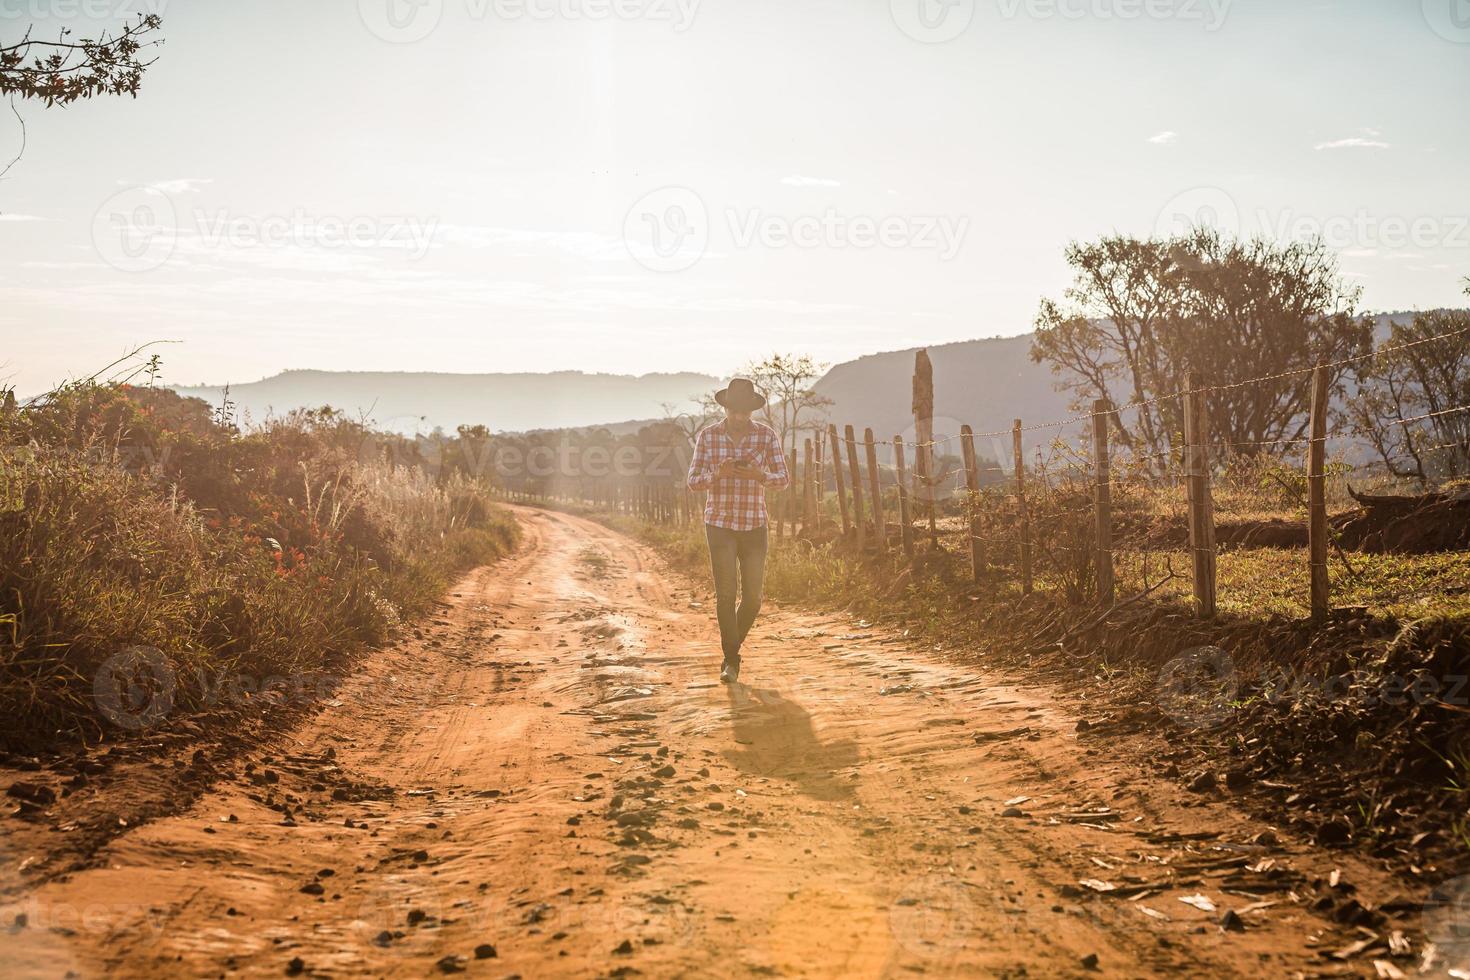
<point x="736" y="555"/>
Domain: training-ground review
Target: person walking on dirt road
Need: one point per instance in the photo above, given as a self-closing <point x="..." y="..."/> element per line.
<point x="736" y="460"/>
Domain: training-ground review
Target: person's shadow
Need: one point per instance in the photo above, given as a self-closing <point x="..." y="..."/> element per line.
<point x="776" y="739"/>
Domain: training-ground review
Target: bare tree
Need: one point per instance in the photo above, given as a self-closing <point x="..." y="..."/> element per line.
<point x="1104" y="339"/>
<point x="1258" y="309"/>
<point x="1428" y="383"/>
<point x="689" y="423"/>
<point x="1140" y="315"/>
<point x="787" y="381"/>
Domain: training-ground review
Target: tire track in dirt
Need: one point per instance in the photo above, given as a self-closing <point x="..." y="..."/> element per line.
<point x="551" y="770"/>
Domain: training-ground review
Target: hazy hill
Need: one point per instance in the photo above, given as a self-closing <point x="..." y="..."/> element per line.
<point x="985" y="383"/>
<point x="504" y="402"/>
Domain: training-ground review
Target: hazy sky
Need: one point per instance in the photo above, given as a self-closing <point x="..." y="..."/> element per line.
<point x="657" y="185"/>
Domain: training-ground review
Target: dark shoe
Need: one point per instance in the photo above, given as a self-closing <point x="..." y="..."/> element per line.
<point x="730" y="670"/>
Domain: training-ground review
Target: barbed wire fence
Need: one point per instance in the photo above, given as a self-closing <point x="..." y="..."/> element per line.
<point x="1062" y="502"/>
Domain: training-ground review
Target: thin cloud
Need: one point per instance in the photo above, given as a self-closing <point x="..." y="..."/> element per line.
<point x="179" y="185"/>
<point x="796" y="180"/>
<point x="1163" y="139"/>
<point x="1354" y="143"/>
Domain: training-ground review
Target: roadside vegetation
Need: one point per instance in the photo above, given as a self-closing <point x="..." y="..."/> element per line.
<point x="133" y="518"/>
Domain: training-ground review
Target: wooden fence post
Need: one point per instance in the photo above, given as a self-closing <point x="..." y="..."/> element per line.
<point x="906" y="527"/>
<point x="1103" y="496"/>
<point x="1023" y="513"/>
<point x="1317" y="497"/>
<point x="857" y="487"/>
<point x="810" y="519"/>
<point x="875" y="484"/>
<point x="923" y="409"/>
<point x="820" y="482"/>
<point x="972" y="503"/>
<point x="1201" y="501"/>
<point x="837" y="477"/>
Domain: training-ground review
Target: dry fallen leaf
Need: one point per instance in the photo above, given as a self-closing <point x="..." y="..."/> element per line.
<point x="1200" y="902"/>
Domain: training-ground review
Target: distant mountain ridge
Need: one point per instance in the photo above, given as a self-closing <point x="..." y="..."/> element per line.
<point x="421" y="401"/>
<point x="983" y="383"/>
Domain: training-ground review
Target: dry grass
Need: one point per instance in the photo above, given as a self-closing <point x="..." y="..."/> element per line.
<point x="132" y="518"/>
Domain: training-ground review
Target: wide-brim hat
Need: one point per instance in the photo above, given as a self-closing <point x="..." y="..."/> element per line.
<point x="740" y="395"/>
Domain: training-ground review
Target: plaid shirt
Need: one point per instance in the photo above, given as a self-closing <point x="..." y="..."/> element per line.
<point x="734" y="503"/>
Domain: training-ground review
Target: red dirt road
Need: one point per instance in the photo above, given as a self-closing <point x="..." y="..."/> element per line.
<point x="553" y="771"/>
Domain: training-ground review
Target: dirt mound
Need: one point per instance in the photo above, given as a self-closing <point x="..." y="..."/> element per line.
<point x="1407" y="525"/>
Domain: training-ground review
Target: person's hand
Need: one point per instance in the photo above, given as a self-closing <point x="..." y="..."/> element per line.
<point x="748" y="470"/>
<point x="728" y="470"/>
